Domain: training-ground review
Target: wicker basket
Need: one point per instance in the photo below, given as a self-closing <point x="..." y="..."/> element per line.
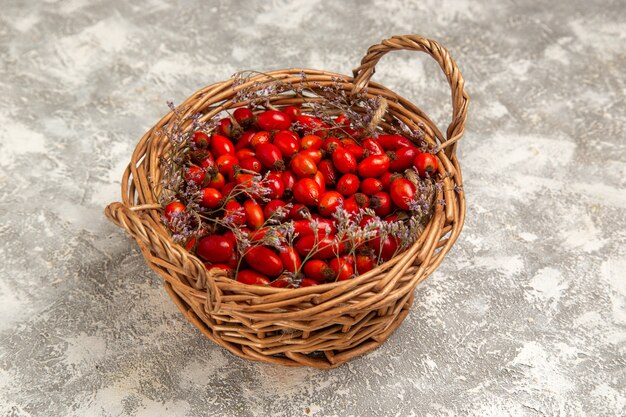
<point x="321" y="326"/>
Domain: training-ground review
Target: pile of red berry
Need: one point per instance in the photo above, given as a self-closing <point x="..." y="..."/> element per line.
<point x="288" y="200"/>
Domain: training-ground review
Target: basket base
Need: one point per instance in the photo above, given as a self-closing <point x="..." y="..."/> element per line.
<point x="370" y="330"/>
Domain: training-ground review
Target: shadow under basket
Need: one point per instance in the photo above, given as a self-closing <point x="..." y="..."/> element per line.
<point x="320" y="326"/>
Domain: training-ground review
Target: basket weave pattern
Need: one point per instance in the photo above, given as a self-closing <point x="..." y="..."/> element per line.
<point x="320" y="326"/>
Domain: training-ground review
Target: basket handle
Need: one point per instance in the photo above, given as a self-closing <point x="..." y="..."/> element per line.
<point x="460" y="98"/>
<point x="136" y="222"/>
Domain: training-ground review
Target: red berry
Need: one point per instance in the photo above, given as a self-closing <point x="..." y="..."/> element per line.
<point x="259" y="138"/>
<point x="292" y="111"/>
<point x="311" y="125"/>
<point x="275" y="183"/>
<point x="270" y="156"/>
<point x="251" y="164"/>
<point x="311" y="142"/>
<point x="217" y="181"/>
<point x="190" y="243"/>
<point x="351" y="206"/>
<point x="344" y="161"/>
<point x="290" y="259"/>
<point x="354" y="132"/>
<point x="273" y="120"/>
<point x="307" y="282"/>
<point x="235" y="213"/>
<point x="329" y="202"/>
<point x="373" y="147"/>
<point x="366" y="220"/>
<point x="348" y="184"/>
<point x="244" y="116"/>
<point x="221" y="145"/>
<point x="426" y="164"/>
<point x="172" y="208"/>
<point x="245" y="139"/>
<point x="254" y="214"/>
<point x="299" y="212"/>
<point x="245" y="179"/>
<point x="282" y="282"/>
<point x="356" y="150"/>
<point x="371" y="186"/>
<point x="226" y="163"/>
<point x="402" y="158"/>
<point x="361" y="200"/>
<point x="264" y="260"/>
<point x="373" y="166"/>
<point x="342" y="119"/>
<point x="207" y="162"/>
<point x="201" y="140"/>
<point x="393" y="142"/>
<point x="314" y="154"/>
<point x="231" y="237"/>
<point x="364" y="263"/>
<point x="342" y="267"/>
<point x="306" y="191"/>
<point x="319" y="179"/>
<point x="331" y="144"/>
<point x="387" y="248"/>
<point x="258" y="234"/>
<point x="287" y="142"/>
<point x="271" y="208"/>
<point x="225" y="127"/>
<point x="244" y="153"/>
<point x="328" y="171"/>
<point x="402" y="191"/>
<point x="210" y="198"/>
<point x="250" y="277"/>
<point x="215" y="249"/>
<point x="233" y="261"/>
<point x="387" y="178"/>
<point x="381" y="204"/>
<point x="318" y="270"/>
<point x="325" y="246"/>
<point x="391" y="218"/>
<point x="194" y="174"/>
<point x="303" y="166"/>
<point x="304" y="227"/>
<point x="289" y="179"/>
